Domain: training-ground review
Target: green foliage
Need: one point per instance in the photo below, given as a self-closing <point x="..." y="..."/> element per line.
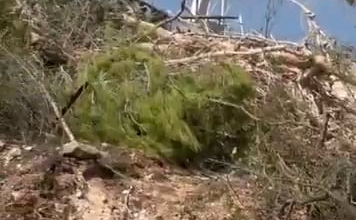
<point x="131" y="99"/>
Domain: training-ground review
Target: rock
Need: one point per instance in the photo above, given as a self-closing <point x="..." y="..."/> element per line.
<point x="104" y="144"/>
<point x="16" y="195"/>
<point x="23" y="202"/>
<point x="80" y="151"/>
<point x="27" y="148"/>
<point x="2" y="143"/>
<point x="156" y="175"/>
<point x="79" y="194"/>
<point x="35" y="38"/>
<point x="14" y="152"/>
<point x="340" y="90"/>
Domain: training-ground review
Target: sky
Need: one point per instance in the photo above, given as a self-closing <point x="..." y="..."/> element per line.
<point x="336" y="17"/>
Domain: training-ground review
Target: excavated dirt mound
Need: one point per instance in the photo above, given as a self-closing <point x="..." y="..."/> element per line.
<point x="37" y="184"/>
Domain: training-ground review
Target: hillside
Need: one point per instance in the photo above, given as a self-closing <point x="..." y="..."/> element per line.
<point x="107" y="112"/>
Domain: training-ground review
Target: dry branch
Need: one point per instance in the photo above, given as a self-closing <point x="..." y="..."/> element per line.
<point x="161" y="32"/>
<point x="225" y="53"/>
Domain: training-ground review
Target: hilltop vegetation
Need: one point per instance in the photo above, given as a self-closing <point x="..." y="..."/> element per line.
<point x="251" y="106"/>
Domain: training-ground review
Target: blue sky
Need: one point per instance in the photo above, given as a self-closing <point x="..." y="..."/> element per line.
<point x="335" y="17"/>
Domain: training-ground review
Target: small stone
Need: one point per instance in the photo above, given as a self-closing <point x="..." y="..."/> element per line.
<point x="16" y="195"/>
<point x="104" y="144"/>
<point x="125" y="192"/>
<point x="158" y="176"/>
<point x="149" y="176"/>
<point x="27" y="148"/>
<point x="80" y="151"/>
<point x="59" y="207"/>
<point x="35" y="37"/>
<point x="14" y="152"/>
<point x="79" y="194"/>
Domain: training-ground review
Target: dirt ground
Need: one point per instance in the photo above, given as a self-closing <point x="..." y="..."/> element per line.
<point x="37" y="184"/>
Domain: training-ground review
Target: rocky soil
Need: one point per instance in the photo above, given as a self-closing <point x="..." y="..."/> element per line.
<point x="36" y="183"/>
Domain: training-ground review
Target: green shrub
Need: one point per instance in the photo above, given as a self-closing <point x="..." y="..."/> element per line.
<point x="131" y="99"/>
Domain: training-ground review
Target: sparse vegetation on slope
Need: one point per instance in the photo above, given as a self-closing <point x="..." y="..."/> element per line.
<point x="263" y="111"/>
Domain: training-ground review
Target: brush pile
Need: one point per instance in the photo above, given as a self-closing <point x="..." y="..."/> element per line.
<point x="302" y="115"/>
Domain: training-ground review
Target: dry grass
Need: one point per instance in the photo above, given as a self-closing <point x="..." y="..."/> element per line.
<point x="24" y="111"/>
